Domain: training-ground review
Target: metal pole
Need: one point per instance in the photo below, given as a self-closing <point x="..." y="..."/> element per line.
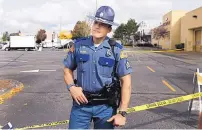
<point x="60" y="23"/>
<point x="200" y="105"/>
<point x="96" y="5"/>
<point x="191" y="101"/>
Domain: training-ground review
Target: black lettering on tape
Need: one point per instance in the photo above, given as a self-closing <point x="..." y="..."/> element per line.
<point x="57" y="123"/>
<point x="66" y="121"/>
<point x="161" y="103"/>
<point x="63" y="122"/>
<point x="34" y="126"/>
<point x="180" y="99"/>
<point x="171" y="101"/>
<point x="195" y="95"/>
<point x="152" y="105"/>
<point x="131" y="110"/>
<point x="49" y="124"/>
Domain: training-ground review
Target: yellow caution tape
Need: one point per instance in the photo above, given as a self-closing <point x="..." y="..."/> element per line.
<point x="164" y="102"/>
<point x="11" y="93"/>
<point x="66" y="50"/>
<point x="45" y="125"/>
<point x="130" y="110"/>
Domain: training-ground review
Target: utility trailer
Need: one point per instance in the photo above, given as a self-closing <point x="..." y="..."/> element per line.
<point x="20" y="42"/>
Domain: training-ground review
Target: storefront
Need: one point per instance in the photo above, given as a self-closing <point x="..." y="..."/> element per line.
<point x="197" y="40"/>
<point x="191" y="30"/>
<point x="184" y="27"/>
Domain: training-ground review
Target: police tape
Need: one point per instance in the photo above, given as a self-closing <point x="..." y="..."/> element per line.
<point x="44" y="125"/>
<point x="11" y="93"/>
<point x="164" y="103"/>
<point x="129" y="110"/>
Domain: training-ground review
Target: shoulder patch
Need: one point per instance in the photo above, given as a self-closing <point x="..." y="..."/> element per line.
<point x="123" y="54"/>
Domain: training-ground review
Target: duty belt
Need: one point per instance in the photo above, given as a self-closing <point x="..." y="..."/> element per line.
<point x="96" y="98"/>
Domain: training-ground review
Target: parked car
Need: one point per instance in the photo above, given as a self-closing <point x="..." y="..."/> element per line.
<point x="3" y="45"/>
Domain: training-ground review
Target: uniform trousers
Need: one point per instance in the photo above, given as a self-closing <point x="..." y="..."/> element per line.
<point x="82" y="115"/>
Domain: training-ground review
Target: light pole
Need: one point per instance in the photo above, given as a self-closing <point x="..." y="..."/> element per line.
<point x="96" y="5"/>
<point x="141" y="25"/>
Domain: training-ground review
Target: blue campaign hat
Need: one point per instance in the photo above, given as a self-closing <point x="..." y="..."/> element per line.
<point x="105" y="14"/>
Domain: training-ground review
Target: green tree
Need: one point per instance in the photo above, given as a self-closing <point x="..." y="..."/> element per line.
<point x="81" y="29"/>
<point x="5" y="37"/>
<point x="125" y="31"/>
<point x="119" y="32"/>
<point x="131" y="27"/>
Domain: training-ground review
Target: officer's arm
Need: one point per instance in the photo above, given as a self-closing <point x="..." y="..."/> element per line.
<point x="124" y="71"/>
<point x="68" y="76"/>
<point x="125" y="92"/>
<point x="70" y="66"/>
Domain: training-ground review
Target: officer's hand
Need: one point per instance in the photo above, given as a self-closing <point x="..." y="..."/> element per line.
<point x="118" y="120"/>
<point x="77" y="94"/>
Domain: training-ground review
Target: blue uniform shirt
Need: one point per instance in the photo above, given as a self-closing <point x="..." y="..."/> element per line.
<point x="95" y="65"/>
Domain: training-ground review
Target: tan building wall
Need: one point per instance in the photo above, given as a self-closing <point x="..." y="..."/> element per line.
<point x="164" y="43"/>
<point x="191" y="27"/>
<point x="167" y="18"/>
<point x="176" y="27"/>
<point x="184" y="28"/>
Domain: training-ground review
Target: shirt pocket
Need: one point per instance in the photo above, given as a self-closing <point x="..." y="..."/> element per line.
<point x="82" y="61"/>
<point x="106" y="66"/>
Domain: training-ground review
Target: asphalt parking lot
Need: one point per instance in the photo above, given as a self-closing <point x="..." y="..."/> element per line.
<point x="156" y="77"/>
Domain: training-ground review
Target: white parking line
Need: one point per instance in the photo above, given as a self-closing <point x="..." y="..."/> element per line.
<point x="36" y="71"/>
<point x="23" y="66"/>
<point x="30" y="71"/>
<point x="12" y="61"/>
<point x="47" y="70"/>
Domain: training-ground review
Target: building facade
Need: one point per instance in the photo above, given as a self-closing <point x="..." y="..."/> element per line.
<point x="182" y="27"/>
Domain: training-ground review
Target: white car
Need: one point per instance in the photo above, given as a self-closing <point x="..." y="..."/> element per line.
<point x="4" y="45"/>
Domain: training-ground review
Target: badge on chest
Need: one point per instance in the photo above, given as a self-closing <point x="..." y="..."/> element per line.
<point x="108" y="53"/>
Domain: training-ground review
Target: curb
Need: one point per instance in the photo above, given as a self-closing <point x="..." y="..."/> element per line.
<point x="9" y="93"/>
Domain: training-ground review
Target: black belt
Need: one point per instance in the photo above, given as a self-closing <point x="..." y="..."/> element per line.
<point x="96" y="98"/>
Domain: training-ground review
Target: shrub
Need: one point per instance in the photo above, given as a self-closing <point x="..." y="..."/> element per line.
<point x="179" y="46"/>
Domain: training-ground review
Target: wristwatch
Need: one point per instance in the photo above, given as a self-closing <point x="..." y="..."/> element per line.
<point x="70" y="85"/>
<point x="123" y="113"/>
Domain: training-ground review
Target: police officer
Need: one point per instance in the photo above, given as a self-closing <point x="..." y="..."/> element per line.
<point x="94" y="60"/>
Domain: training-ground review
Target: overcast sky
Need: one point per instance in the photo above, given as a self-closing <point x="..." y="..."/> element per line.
<point x="31" y="15"/>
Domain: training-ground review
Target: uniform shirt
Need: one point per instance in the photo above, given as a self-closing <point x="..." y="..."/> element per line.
<point x="95" y="65"/>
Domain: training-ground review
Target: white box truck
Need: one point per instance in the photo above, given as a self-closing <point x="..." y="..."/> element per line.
<point x="20" y="42"/>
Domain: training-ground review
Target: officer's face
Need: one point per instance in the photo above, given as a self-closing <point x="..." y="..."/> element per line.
<point x="100" y="30"/>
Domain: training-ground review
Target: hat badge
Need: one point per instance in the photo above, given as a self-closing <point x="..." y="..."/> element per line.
<point x="101" y="14"/>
